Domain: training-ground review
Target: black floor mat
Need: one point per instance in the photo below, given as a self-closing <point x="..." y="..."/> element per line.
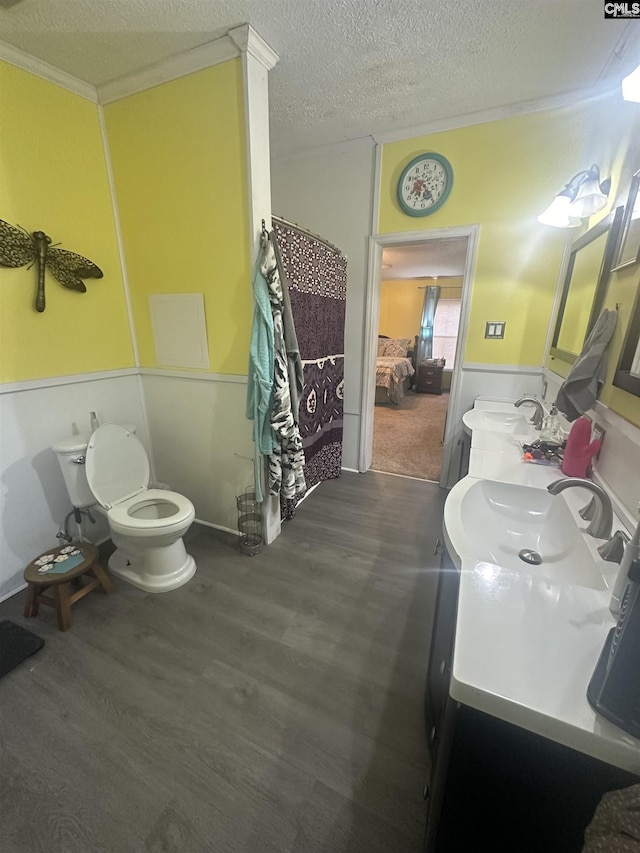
<point x="16" y="644"/>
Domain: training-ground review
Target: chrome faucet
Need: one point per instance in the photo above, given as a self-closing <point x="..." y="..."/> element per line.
<point x="538" y="415"/>
<point x="601" y="524"/>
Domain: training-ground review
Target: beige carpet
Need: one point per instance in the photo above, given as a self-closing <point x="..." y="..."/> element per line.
<point x="407" y="439"/>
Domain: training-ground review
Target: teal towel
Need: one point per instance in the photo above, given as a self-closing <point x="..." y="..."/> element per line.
<point x="261" y="370"/>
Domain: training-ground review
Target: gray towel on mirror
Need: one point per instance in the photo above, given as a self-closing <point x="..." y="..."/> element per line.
<point x="583" y="385"/>
<point x="294" y="361"/>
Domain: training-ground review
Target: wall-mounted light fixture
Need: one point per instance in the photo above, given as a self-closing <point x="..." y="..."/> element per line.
<point x="631" y="86"/>
<point x="583" y="196"/>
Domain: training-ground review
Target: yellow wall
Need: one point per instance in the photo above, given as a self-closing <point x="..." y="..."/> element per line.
<point x="505" y="173"/>
<point x="401" y="303"/>
<point x="401" y="307"/>
<point x="178" y="153"/>
<point x="53" y="178"/>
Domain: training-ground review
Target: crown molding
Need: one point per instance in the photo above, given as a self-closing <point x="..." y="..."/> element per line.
<point x="243" y="39"/>
<point x="204" y="56"/>
<point x="249" y="41"/>
<point x="555" y="102"/>
<point x="27" y="62"/>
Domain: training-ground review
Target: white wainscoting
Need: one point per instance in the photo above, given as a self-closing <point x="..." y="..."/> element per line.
<point x="202" y="441"/>
<point x="508" y="381"/>
<point x="199" y="444"/>
<point x="496" y="380"/>
<point x="33" y="498"/>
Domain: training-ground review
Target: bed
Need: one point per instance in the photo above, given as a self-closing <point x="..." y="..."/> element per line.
<point x="393" y="369"/>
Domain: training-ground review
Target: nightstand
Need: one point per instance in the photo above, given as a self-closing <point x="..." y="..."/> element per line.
<point x="429" y="379"/>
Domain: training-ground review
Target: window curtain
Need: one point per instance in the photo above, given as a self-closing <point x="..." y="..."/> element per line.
<point x="316" y="277"/>
<point x="425" y="338"/>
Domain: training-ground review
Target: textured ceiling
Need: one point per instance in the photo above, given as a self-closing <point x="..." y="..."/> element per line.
<point x="442" y="257"/>
<point x="348" y="68"/>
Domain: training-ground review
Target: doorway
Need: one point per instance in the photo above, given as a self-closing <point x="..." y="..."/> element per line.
<point x="417" y="305"/>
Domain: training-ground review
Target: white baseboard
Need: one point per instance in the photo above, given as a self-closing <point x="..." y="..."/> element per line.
<point x="404" y="476"/>
<point x="13" y="592"/>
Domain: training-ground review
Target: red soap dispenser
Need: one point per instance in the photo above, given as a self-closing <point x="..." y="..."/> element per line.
<point x="579" y="451"/>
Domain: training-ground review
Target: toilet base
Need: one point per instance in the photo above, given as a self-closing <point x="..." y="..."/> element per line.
<point x="155" y="569"/>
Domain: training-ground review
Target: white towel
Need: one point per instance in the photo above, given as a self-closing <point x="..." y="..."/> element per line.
<point x="583" y="385"/>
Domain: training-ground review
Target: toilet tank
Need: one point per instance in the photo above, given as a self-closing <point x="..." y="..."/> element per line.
<point x="71" y="452"/>
<point x="71" y="455"/>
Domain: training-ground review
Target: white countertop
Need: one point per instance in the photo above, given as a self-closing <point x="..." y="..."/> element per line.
<point x="525" y="646"/>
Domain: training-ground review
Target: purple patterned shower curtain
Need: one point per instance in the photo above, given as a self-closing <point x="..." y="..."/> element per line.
<point x="316" y="276"/>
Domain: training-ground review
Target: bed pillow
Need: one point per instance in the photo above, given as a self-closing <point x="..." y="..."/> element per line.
<point x="396" y="347"/>
<point x="381" y="344"/>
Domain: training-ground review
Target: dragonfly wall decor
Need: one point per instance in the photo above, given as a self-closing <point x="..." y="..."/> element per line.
<point x="19" y="248"/>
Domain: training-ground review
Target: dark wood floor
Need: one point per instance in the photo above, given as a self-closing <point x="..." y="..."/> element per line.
<point x="274" y="703"/>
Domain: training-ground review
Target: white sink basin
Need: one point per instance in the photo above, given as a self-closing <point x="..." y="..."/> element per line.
<point x="501" y="519"/>
<point x="508" y="422"/>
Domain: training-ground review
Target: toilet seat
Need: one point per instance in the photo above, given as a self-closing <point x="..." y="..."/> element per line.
<point x="116" y="464"/>
<point x="130" y="519"/>
<point x="117" y="470"/>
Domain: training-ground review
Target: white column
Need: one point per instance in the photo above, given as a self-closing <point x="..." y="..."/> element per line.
<point x="257" y="60"/>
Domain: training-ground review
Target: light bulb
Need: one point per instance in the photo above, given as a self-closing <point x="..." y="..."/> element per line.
<point x="631" y="86"/>
<point x="558" y="215"/>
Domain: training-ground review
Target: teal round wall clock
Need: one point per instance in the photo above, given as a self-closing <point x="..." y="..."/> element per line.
<point x="425" y="184"/>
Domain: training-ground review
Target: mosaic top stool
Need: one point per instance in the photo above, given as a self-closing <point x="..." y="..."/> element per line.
<point x="66" y="587"/>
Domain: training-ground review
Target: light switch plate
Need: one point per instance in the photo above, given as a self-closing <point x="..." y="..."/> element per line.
<point x="495" y="329"/>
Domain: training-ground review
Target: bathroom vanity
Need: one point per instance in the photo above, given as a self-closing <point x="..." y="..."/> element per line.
<point x="519" y="759"/>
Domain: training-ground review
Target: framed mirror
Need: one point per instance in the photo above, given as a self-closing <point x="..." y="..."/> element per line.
<point x="584" y="287"/>
<point x="629" y="247"/>
<point x="627" y="375"/>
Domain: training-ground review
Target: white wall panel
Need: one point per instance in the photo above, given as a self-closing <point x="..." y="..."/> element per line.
<point x="202" y="442"/>
<point x="496" y="381"/>
<point x="330" y="192"/>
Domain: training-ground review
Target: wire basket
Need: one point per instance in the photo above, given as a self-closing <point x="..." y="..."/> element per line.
<point x="249" y="522"/>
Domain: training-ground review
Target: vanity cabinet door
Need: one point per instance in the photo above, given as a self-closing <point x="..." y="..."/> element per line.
<point x="503" y="789"/>
<point x="440" y="709"/>
<point x="441" y="651"/>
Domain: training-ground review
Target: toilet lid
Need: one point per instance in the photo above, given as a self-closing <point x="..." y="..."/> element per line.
<point x="116" y="464"/>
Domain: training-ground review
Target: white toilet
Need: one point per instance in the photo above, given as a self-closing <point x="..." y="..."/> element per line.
<point x="147" y="525"/>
